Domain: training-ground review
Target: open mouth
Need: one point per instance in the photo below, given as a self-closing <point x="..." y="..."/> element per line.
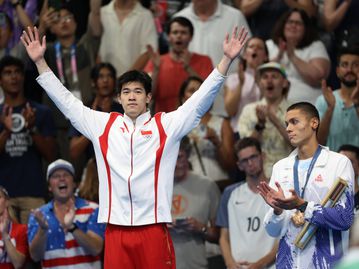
<point x="270" y="88"/>
<point x="63" y="187"/>
<point x="254" y="55"/>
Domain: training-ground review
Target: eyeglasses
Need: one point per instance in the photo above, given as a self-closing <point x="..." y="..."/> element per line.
<point x="251" y="158"/>
<point x="296" y="23"/>
<point x="66" y="18"/>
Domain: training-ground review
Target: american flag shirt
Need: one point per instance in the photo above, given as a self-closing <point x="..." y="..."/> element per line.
<point x="62" y="250"/>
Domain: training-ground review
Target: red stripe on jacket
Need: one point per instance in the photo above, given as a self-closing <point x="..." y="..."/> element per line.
<point x="104" y="147"/>
<point x="159" y="152"/>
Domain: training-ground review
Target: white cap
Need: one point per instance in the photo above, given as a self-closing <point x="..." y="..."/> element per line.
<point x="59" y="164"/>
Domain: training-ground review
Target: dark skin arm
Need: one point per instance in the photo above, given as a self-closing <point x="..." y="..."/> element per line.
<point x="44" y="144"/>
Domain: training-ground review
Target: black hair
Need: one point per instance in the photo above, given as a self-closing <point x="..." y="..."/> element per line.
<point x="185" y="84"/>
<point x="352" y="50"/>
<point x="10" y="61"/>
<point x="135" y="76"/>
<point x="310" y="31"/>
<point x="351" y="148"/>
<point x="308" y="109"/>
<point x="183" y="22"/>
<point x="247" y="142"/>
<point x="95" y="71"/>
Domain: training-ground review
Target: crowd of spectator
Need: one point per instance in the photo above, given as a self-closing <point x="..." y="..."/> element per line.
<point x="299" y="50"/>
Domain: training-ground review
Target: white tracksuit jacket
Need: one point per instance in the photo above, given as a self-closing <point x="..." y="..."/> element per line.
<point x="135" y="161"/>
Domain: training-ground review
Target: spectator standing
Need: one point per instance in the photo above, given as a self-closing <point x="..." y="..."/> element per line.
<point x="71" y="60"/>
<point x="339" y="110"/>
<point x="13" y="241"/>
<point x="211" y="20"/>
<point x="264" y="119"/>
<point x="243" y="238"/>
<point x="295" y="46"/>
<point x="262" y="14"/>
<point x="241" y="87"/>
<point x="20" y="17"/>
<point x="168" y="71"/>
<point x="65" y="232"/>
<point x="27" y="137"/>
<point x="125" y="28"/>
<point x="194" y="206"/>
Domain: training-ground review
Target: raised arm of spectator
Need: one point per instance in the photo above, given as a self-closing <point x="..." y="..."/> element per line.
<point x="78" y="145"/>
<point x="90" y="240"/>
<point x="95" y="18"/>
<point x="325" y="105"/>
<point x="232" y="97"/>
<point x="45" y="143"/>
<point x="24" y="19"/>
<point x="307" y="5"/>
<point x="248" y="7"/>
<point x="154" y="65"/>
<point x="6" y="121"/>
<point x="333" y="14"/>
<point x="37" y="235"/>
<point x="16" y="257"/>
<point x="224" y="145"/>
<point x="313" y="70"/>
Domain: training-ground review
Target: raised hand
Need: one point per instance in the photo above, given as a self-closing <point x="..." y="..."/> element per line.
<point x="4" y="223"/>
<point x="40" y="218"/>
<point x="154" y="57"/>
<point x="6" y="117"/>
<point x="70" y="215"/>
<point x="355" y="94"/>
<point x="328" y="94"/>
<point x="29" y="114"/>
<point x="35" y="47"/>
<point x="232" y="45"/>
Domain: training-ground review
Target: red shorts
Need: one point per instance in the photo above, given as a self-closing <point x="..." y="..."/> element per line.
<point x="139" y="247"/>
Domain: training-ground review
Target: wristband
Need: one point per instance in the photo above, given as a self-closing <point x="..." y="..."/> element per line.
<point x="303" y="207"/>
<point x="73" y="228"/>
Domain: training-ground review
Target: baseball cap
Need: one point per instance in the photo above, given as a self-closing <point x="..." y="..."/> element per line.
<point x="273" y="66"/>
<point x="59" y="164"/>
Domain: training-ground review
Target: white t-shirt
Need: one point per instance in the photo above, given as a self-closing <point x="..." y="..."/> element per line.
<point x="299" y="89"/>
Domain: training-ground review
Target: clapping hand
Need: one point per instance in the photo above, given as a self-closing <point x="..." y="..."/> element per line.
<point x="40" y="218"/>
<point x="6" y="117"/>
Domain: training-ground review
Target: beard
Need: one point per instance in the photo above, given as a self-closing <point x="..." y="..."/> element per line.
<point x="349" y="83"/>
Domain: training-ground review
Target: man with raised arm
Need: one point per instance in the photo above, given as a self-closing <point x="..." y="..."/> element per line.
<point x="298" y="185"/>
<point x="136" y="155"/>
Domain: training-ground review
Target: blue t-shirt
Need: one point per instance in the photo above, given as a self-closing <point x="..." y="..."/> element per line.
<point x="344" y="126"/>
<point x="20" y="162"/>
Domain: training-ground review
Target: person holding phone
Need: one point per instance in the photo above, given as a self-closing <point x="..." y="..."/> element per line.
<point x="135" y="154"/>
<point x="194" y="205"/>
